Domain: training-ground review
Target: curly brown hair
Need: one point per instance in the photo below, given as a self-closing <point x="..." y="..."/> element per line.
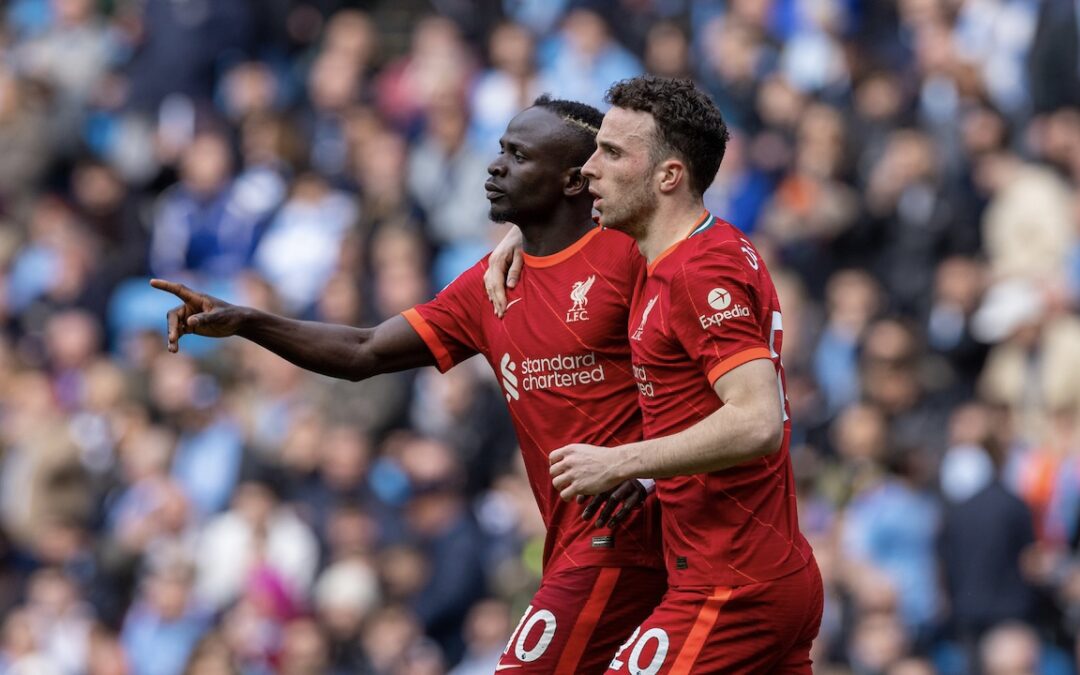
<point x="688" y="123"/>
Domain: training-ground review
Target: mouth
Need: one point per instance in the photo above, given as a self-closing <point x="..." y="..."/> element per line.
<point x="493" y="191"/>
<point x="596" y="197"/>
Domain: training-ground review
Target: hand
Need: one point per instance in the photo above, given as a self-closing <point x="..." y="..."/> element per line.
<point x="504" y="269"/>
<point x="200" y="314"/>
<point x="631" y="494"/>
<point x="581" y="469"/>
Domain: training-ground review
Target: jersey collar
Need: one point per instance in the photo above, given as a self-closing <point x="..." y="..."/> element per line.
<point x="704" y="222"/>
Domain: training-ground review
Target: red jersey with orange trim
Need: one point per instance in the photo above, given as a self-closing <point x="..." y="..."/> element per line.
<point x="563" y="363"/>
<point x="706" y="306"/>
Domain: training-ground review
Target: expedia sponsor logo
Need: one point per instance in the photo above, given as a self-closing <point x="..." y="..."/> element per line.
<point x="549" y="372"/>
<point x="719" y="298"/>
<point x="718" y="318"/>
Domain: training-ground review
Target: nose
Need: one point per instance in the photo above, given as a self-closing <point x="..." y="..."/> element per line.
<point x="589" y="169"/>
<point x="497" y="167"/>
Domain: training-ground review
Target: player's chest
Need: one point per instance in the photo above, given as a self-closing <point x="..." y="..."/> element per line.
<point x="649" y="330"/>
<point x="564" y="314"/>
<point x="658" y="357"/>
<point x="557" y="339"/>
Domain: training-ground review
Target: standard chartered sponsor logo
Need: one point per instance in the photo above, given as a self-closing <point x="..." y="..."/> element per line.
<point x="549" y="372"/>
<point x="510" y="381"/>
<point x="643" y="384"/>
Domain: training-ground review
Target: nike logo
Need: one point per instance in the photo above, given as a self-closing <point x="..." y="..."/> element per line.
<point x="511" y="303"/>
<point x="506" y="666"/>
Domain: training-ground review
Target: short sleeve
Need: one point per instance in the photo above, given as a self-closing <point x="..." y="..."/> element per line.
<point x="715" y="313"/>
<point x="450" y="324"/>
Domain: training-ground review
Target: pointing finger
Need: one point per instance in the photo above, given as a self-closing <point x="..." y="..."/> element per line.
<point x="179" y="290"/>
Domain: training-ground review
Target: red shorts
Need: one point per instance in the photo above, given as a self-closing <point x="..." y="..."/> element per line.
<point x="579" y="617"/>
<point x="755" y="629"/>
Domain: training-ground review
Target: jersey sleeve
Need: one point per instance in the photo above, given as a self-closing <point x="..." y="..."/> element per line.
<point x="715" y="310"/>
<point x="450" y="324"/>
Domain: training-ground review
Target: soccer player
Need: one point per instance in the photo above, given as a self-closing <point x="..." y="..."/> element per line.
<point x="563" y="365"/>
<point x="706" y="334"/>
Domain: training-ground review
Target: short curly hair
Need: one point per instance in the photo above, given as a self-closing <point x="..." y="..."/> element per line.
<point x="582" y="120"/>
<point x="688" y="123"/>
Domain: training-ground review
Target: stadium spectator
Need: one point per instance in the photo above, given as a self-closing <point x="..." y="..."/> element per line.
<point x="910" y="171"/>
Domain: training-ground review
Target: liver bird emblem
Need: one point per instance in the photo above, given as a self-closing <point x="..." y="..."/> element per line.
<point x="579" y="293"/>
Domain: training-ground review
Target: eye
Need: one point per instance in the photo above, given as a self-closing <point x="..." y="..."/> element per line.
<point x="519" y="157"/>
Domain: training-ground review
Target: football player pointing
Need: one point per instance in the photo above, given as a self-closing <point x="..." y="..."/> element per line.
<point x="561" y="360"/>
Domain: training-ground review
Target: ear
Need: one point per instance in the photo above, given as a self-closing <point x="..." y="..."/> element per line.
<point x="574" y="183"/>
<point x="671" y="173"/>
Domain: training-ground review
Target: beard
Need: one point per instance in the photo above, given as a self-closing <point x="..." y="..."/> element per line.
<point x="502" y="214"/>
<point x="630" y="212"/>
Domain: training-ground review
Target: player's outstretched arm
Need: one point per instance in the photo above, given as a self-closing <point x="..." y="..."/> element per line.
<point x="749" y="425"/>
<point x="504" y="269"/>
<point x="339" y="351"/>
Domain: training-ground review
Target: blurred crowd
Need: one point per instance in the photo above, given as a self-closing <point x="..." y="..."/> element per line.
<point x="909" y="168"/>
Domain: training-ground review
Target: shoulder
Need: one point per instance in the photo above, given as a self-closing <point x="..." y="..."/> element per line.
<point x="469" y="279"/>
<point x="721" y="254"/>
<point x="610" y="251"/>
<point x="612" y="237"/>
<point x="608" y="243"/>
<point x="722" y="240"/>
<point x="720" y="265"/>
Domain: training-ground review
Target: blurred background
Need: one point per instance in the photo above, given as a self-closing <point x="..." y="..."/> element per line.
<point x="909" y="168"/>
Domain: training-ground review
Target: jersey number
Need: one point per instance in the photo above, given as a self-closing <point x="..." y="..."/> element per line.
<point x="524" y="631"/>
<point x="750" y="253"/>
<point x="633" y="662"/>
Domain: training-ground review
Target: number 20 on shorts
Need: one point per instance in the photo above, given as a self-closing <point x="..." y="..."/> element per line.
<point x="633" y="663"/>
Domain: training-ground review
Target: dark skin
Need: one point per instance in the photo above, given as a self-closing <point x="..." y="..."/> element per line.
<point x="530" y="183"/>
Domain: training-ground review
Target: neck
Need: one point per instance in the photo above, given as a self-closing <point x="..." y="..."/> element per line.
<point x="670" y="223"/>
<point x="556" y="233"/>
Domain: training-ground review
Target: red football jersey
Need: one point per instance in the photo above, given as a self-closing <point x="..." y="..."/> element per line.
<point x="562" y="360"/>
<point x="706" y="306"/>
